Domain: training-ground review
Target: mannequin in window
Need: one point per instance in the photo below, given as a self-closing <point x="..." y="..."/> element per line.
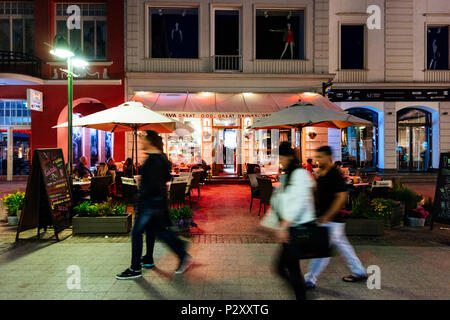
<point x="176" y="36"/>
<point x="288" y="38"/>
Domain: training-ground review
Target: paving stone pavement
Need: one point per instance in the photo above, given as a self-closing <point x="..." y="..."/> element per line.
<point x="231" y="271"/>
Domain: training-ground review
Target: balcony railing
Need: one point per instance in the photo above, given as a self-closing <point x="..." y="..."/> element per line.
<point x="440" y="76"/>
<point x="227" y="63"/>
<point x="18" y="62"/>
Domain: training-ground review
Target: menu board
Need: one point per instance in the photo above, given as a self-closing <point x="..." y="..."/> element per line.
<point x="48" y="197"/>
<point x="442" y="195"/>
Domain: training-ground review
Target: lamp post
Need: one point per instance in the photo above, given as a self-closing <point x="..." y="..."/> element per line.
<point x="61" y="49"/>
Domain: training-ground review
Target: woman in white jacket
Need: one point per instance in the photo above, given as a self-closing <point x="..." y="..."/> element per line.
<point x="292" y="204"/>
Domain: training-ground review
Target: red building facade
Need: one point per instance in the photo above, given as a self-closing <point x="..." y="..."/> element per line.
<point x="99" y="37"/>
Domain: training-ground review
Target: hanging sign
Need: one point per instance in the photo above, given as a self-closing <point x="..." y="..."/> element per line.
<point x="34" y="100"/>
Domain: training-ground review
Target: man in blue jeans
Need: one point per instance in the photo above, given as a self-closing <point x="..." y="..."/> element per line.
<point x="331" y="197"/>
<point x="152" y="214"/>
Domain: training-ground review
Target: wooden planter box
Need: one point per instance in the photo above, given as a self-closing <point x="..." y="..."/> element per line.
<point x="364" y="227"/>
<point x="101" y="225"/>
<point x="397" y="217"/>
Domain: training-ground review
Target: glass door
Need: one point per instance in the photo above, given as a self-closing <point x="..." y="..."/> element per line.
<point x="3" y="152"/>
<point x="413" y="149"/>
<point x="404" y="148"/>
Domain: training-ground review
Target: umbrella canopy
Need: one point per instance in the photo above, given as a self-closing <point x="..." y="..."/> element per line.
<point x="129" y="116"/>
<point x="301" y="114"/>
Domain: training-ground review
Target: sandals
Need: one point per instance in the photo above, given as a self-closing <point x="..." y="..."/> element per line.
<point x="352" y="278"/>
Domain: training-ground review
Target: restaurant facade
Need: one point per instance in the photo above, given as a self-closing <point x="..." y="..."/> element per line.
<point x="27" y="29"/>
<point x="219" y="66"/>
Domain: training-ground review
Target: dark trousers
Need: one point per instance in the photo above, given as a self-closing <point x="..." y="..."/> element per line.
<point x="166" y="236"/>
<point x="288" y="267"/>
<point x="143" y="223"/>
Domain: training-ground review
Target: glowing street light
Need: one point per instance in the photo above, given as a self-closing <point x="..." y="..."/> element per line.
<point x="62" y="50"/>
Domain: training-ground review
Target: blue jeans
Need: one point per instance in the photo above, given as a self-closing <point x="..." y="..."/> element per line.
<point x="142" y="224"/>
<point x="336" y="232"/>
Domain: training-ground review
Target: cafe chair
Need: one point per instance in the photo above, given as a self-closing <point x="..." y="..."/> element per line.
<point x="265" y="190"/>
<point x="100" y="188"/>
<point x="195" y="182"/>
<point x="177" y="194"/>
<point x="252" y="177"/>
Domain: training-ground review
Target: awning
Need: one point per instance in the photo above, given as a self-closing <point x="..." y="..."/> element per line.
<point x="249" y="104"/>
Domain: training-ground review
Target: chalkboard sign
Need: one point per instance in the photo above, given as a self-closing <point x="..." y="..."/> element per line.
<point x="48" y="197"/>
<point x="442" y="196"/>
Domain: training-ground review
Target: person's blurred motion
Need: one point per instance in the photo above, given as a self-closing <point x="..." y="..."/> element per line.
<point x="309" y="166"/>
<point x="292" y="204"/>
<point x="152" y="212"/>
<point x="331" y="197"/>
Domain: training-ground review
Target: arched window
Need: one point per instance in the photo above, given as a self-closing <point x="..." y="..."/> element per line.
<point x="360" y="144"/>
<point x="413" y="140"/>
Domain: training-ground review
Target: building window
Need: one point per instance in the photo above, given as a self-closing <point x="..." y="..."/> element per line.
<point x="352" y="47"/>
<point x="91" y="38"/>
<point x="360" y="144"/>
<point x="280" y="34"/>
<point x="14" y="112"/>
<point x="437" y="48"/>
<point x="173" y="32"/>
<point x="17" y="26"/>
<point x="413" y="140"/>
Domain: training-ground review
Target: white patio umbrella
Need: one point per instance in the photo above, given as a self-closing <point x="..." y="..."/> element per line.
<point x="300" y="114"/>
<point x="129" y="116"/>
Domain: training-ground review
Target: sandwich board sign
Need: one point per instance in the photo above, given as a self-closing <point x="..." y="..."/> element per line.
<point x="442" y="195"/>
<point x="48" y="197"/>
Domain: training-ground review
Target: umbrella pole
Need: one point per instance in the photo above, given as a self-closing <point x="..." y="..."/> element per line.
<point x="136" y="148"/>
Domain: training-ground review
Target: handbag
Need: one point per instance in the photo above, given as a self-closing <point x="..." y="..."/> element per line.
<point x="310" y="241"/>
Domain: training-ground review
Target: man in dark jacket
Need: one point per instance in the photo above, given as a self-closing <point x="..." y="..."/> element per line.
<point x="152" y="212"/>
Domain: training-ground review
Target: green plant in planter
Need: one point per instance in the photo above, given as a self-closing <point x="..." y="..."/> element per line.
<point x="185" y="213"/>
<point x="105" y="209"/>
<point x="382" y="208"/>
<point x="175" y="214"/>
<point x="82" y="209"/>
<point x="361" y="207"/>
<point x="407" y="196"/>
<point x="13" y="202"/>
<point x="119" y="209"/>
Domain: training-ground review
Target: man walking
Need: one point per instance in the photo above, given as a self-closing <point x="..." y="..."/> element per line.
<point x="152" y="214"/>
<point x="331" y="197"/>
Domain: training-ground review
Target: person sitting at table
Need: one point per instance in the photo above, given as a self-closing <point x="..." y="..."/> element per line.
<point x="128" y="168"/>
<point x="102" y="170"/>
<point x="82" y="170"/>
<point x="111" y="164"/>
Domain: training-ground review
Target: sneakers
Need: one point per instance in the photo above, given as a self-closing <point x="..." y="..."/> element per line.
<point x="309" y="285"/>
<point x="129" y="274"/>
<point x="184" y="264"/>
<point x="147" y="263"/>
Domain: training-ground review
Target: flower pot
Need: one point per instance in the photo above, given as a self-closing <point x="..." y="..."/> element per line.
<point x="13" y="220"/>
<point x="416" y="222"/>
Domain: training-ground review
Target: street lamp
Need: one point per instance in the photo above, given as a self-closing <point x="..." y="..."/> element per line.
<point x="62" y="50"/>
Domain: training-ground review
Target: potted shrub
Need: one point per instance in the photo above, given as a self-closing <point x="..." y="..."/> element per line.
<point x="371" y="216"/>
<point x="101" y="218"/>
<point x="417" y="217"/>
<point x="13" y="203"/>
<point x="181" y="218"/>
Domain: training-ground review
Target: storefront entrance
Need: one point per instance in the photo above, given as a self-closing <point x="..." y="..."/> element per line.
<point x="414" y="140"/>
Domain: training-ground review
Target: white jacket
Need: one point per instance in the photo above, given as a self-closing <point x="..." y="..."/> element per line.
<point x="294" y="202"/>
